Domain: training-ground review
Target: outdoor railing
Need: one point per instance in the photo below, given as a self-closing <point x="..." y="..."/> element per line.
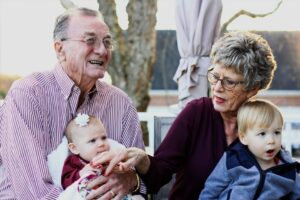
<point x="149" y="118"/>
<point x="290" y="134"/>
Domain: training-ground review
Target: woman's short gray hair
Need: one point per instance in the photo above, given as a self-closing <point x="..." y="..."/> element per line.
<point x="62" y="21"/>
<point x="247" y="54"/>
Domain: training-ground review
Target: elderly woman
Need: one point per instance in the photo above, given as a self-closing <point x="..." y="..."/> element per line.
<point x="243" y="64"/>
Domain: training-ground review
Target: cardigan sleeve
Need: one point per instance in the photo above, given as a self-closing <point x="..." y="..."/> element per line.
<point x="171" y="154"/>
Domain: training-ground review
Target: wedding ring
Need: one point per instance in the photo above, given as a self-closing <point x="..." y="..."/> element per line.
<point x="112" y="193"/>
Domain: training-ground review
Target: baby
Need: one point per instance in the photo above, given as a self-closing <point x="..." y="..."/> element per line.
<point x="255" y="166"/>
<point x="86" y="137"/>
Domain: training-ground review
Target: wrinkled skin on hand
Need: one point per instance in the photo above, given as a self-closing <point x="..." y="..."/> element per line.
<point x="118" y="174"/>
<point x="119" y="183"/>
<point x="124" y="159"/>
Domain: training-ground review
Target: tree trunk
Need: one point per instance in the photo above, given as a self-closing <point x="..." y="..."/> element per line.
<point x="131" y="67"/>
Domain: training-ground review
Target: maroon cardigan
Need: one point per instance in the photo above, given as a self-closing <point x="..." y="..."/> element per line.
<point x="191" y="149"/>
<point x="70" y="173"/>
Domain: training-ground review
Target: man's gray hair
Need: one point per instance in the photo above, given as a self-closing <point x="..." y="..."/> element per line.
<point x="62" y="21"/>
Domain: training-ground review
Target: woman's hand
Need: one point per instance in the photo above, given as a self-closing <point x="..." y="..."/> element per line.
<point x="119" y="178"/>
<point x="137" y="158"/>
<point x="115" y="186"/>
<point x="123" y="160"/>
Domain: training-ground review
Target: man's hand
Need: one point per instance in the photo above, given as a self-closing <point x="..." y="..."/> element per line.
<point x="114" y="186"/>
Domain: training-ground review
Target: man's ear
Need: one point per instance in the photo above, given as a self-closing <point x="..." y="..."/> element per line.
<point x="58" y="46"/>
<point x="73" y="148"/>
<point x="243" y="139"/>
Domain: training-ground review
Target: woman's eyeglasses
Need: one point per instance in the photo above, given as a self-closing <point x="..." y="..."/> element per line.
<point x="226" y="83"/>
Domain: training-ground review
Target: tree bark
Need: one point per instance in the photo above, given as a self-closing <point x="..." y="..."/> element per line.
<point x="131" y="67"/>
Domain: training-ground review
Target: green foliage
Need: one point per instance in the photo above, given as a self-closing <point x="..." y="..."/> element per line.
<point x="5" y="83"/>
<point x="2" y="94"/>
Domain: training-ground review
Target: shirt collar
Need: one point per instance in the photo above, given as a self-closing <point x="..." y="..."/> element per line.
<point x="65" y="83"/>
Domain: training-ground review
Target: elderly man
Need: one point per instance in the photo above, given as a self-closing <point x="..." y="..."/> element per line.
<point x="38" y="108"/>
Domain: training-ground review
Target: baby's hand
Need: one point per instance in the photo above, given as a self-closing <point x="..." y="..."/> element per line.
<point x="88" y="169"/>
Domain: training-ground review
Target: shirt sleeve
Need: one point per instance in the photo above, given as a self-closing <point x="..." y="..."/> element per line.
<point x="132" y="128"/>
<point x="132" y="133"/>
<point x="24" y="140"/>
<point x="217" y="181"/>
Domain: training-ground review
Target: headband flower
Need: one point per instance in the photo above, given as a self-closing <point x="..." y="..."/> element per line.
<point x="82" y="120"/>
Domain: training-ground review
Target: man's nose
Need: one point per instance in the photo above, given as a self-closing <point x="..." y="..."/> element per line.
<point x="100" y="48"/>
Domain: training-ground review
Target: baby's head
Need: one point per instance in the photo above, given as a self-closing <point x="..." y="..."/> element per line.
<point x="86" y="136"/>
<point x="260" y="125"/>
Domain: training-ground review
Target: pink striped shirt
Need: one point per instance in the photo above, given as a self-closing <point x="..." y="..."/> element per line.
<point x="32" y="122"/>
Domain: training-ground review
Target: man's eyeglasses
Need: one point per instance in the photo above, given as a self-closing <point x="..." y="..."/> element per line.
<point x="226" y="83"/>
<point x="94" y="42"/>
